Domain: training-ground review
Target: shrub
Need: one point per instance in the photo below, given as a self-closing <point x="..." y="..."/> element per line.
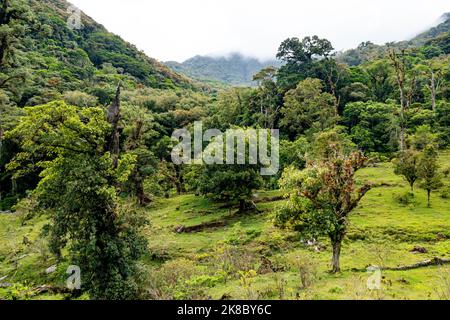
<point x="445" y="193"/>
<point x="80" y="99"/>
<point x="195" y="288"/>
<point x="26" y="209"/>
<point x="17" y="292"/>
<point x="240" y="236"/>
<point x="406" y="198"/>
<point x="336" y="289"/>
<point x="232" y="259"/>
<point x="7" y="203"/>
<point x="274" y="240"/>
<point x="376" y="157"/>
<point x="163" y="283"/>
<point x="306" y="268"/>
<point x="446" y="172"/>
<point x="246" y="279"/>
<point x="443" y="284"/>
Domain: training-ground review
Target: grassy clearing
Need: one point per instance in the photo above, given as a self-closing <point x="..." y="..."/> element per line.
<point x="217" y="262"/>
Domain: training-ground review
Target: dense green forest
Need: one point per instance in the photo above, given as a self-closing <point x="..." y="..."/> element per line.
<point x="87" y="178"/>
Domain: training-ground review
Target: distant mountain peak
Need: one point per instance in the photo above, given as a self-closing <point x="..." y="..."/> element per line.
<point x="445" y="17"/>
<point x="233" y="69"/>
<point x="442" y="26"/>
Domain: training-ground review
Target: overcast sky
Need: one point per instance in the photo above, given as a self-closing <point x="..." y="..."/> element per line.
<point x="179" y="29"/>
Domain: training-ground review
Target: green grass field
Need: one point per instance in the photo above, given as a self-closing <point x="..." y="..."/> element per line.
<point x="231" y="261"/>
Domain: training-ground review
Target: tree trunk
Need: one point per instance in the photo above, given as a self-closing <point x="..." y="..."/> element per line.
<point x="4" y="19"/>
<point x="411" y="91"/>
<point x="433" y="92"/>
<point x="114" y="118"/>
<point x="241" y="205"/>
<point x="14" y="186"/>
<point x="139" y="189"/>
<point x="178" y="186"/>
<point x="399" y="67"/>
<point x="402" y="119"/>
<point x="336" y="255"/>
<point x="1" y="140"/>
<point x="179" y="180"/>
<point x="140" y="193"/>
<point x="246" y="205"/>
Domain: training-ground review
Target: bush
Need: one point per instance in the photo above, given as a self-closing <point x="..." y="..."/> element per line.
<point x="182" y="279"/>
<point x="306" y="268"/>
<point x="446" y="172"/>
<point x="246" y="279"/>
<point x="376" y="157"/>
<point x="241" y="236"/>
<point x="162" y="283"/>
<point x="274" y="240"/>
<point x="231" y="259"/>
<point x="406" y="198"/>
<point x="7" y="203"/>
<point x="17" y="292"/>
<point x="80" y="99"/>
<point x="445" y="193"/>
<point x="196" y="287"/>
<point x="26" y="209"/>
<point x="443" y="284"/>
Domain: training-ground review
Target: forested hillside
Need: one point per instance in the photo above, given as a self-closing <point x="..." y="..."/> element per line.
<point x="55" y="58"/>
<point x="433" y="41"/>
<point x="44" y="60"/>
<point x="89" y="185"/>
<point x="234" y="70"/>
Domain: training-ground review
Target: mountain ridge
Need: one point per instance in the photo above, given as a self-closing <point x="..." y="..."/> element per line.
<point x="101" y="45"/>
<point x="236" y="69"/>
<point x="437" y="35"/>
<point x="232" y="69"/>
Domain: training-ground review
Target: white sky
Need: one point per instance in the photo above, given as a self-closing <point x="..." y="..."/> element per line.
<point x="179" y="29"/>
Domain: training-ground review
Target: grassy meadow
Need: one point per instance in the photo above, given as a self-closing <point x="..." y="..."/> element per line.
<point x="247" y="257"/>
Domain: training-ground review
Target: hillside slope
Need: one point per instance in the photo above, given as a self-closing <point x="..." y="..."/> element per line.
<point x="105" y="47"/>
<point x="249" y="258"/>
<point x="56" y="58"/>
<point x="442" y="28"/>
<point x="438" y="37"/>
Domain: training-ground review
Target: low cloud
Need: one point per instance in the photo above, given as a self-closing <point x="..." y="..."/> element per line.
<point x="179" y="29"/>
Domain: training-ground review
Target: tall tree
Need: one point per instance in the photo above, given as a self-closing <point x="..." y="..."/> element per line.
<point x="138" y="130"/>
<point x="379" y="74"/>
<point x="435" y="77"/>
<point x="373" y="126"/>
<point x="335" y="77"/>
<point x="114" y="117"/>
<point x="78" y="190"/>
<point x="230" y="183"/>
<point x="400" y="66"/>
<point x="300" y="58"/>
<point x="407" y="165"/>
<point x="428" y="171"/>
<point x="268" y="99"/>
<point x="321" y="198"/>
<point x="307" y="107"/>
